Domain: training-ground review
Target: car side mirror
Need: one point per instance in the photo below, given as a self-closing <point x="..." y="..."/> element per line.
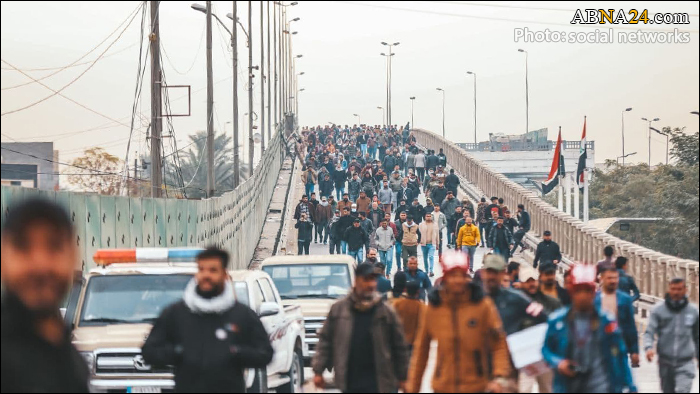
<point x="269" y="309"/>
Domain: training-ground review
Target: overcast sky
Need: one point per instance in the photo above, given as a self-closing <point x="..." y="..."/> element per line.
<point x="345" y="74"/>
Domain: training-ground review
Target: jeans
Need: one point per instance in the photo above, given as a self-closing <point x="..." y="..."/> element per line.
<point x="354" y="198"/>
<point x="344" y="247"/>
<point x="334" y="246"/>
<point x="505" y="252"/>
<point x="310" y="188"/>
<point x="470" y="250"/>
<point x="440" y="246"/>
<point x="397" y="249"/>
<point x="387" y="258"/>
<point x="483" y="232"/>
<point x="395" y="199"/>
<point x="363" y="147"/>
<point x="356" y="254"/>
<point x="421" y="173"/>
<point x="303" y="247"/>
<point x="428" y="257"/>
<point x="372" y="152"/>
<point x="322" y="228"/>
<point x="339" y="193"/>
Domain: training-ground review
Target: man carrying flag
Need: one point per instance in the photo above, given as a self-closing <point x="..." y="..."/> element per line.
<point x="583" y="156"/>
<point x="557" y="168"/>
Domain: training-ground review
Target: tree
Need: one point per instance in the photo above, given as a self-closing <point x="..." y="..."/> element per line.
<point x="192" y="174"/>
<point x="684" y="147"/>
<point x="96" y="171"/>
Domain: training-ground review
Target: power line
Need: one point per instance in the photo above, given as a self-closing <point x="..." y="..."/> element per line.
<point x="60" y="69"/>
<point x="56" y="92"/>
<point x="503" y="19"/>
<point x="194" y="61"/>
<point x="69" y="66"/>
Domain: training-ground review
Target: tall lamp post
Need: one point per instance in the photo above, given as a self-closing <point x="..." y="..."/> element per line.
<point x="297" y="101"/>
<point x="623" y="157"/>
<point x="474" y="74"/>
<point x="388" y="91"/>
<point x="661" y="133"/>
<point x="649" y="135"/>
<point x="383" y="114"/>
<point x="443" y="110"/>
<point x="527" y="96"/>
<point x="412" y="100"/>
<point x="623" y="135"/>
<point x="359" y="120"/>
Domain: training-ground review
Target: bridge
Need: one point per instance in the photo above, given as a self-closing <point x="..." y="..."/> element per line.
<point x="253" y="222"/>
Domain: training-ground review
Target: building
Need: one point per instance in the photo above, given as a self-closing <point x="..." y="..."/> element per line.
<point x="30" y="164"/>
<point x="526" y="159"/>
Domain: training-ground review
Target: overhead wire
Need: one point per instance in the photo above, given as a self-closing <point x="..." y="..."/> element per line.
<point x="57" y="92"/>
<point x="194" y="61"/>
<point x="60" y="69"/>
<point x="69" y="66"/>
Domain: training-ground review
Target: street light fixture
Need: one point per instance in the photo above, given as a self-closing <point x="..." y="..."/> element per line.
<point x="527" y="95"/>
<point x="359" y="120"/>
<point x="443" y="110"/>
<point x="230" y="16"/>
<point x="383" y="114"/>
<point x="388" y="78"/>
<point x="663" y="135"/>
<point x="412" y="100"/>
<point x="649" y="133"/>
<point x="474" y="74"/>
<point x="624" y="156"/>
<point x="623" y="135"/>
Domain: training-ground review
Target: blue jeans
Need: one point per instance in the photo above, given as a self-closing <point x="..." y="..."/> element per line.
<point x="344" y="247"/>
<point x="363" y="147"/>
<point x="387" y="258"/>
<point x="310" y="187"/>
<point x="397" y="249"/>
<point x="470" y="250"/>
<point x="428" y="257"/>
<point x="356" y="254"/>
<point x="339" y="193"/>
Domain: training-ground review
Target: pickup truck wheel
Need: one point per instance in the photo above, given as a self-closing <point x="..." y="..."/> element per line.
<point x="295" y="375"/>
<point x="260" y="382"/>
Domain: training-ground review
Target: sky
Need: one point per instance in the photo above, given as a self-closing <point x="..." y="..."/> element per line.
<point x="345" y="73"/>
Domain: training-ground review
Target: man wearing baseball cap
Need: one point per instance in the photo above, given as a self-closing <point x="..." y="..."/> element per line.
<point x="515" y="308"/>
<point x="469" y="334"/>
<point x="362" y="341"/>
<point x="584" y="345"/>
<point x="547" y="250"/>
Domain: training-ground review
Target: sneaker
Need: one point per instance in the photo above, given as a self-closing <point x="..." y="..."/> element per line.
<point x="325" y="243"/>
<point x="315" y="241"/>
<point x="449" y="246"/>
<point x="431" y="274"/>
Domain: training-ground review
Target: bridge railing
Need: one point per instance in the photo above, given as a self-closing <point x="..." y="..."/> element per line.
<point x="233" y="221"/>
<point x="578" y="242"/>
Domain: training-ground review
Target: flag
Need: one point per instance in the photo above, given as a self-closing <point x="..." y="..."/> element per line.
<point x="557" y="168"/>
<point x="583" y="156"/>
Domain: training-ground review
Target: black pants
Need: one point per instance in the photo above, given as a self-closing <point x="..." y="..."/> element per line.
<point x="334" y="246"/>
<point x="303" y="247"/>
<point x="321" y="229"/>
<point x="518" y="238"/>
<point x="421" y="173"/>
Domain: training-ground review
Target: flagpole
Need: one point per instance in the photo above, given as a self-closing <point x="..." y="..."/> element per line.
<point x="560" y="186"/>
<point x="568" y="193"/>
<point x="577" y="201"/>
<point x="585" y="195"/>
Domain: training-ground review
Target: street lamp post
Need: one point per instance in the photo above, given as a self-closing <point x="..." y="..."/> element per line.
<point x="359" y="120"/>
<point x="623" y="135"/>
<point x="383" y="114"/>
<point x="474" y="74"/>
<point x="527" y="95"/>
<point x="388" y="100"/>
<point x="297" y="101"/>
<point x="412" y="100"/>
<point x="443" y="110"/>
<point x="649" y="134"/>
<point x="663" y="135"/>
<point x="624" y="156"/>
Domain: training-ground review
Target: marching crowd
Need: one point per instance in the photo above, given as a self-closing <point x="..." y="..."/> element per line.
<point x="379" y="337"/>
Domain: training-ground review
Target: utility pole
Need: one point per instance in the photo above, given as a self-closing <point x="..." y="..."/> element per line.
<point x="234" y="44"/>
<point x="251" y="142"/>
<point x="262" y="78"/>
<point x="211" y="182"/>
<point x="269" y="79"/>
<point x="156" y="115"/>
<point x="274" y="44"/>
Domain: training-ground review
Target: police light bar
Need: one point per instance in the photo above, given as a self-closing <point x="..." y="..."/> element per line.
<point x="105" y="257"/>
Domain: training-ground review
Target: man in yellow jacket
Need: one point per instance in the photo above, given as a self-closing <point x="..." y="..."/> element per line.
<point x="468" y="239"/>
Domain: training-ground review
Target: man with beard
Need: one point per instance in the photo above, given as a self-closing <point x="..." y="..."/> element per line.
<point x="362" y="341"/>
<point x="674" y="324"/>
<point x="208" y="337"/>
<point x="549" y="285"/>
<point x="39" y="254"/>
<point x="501" y="239"/>
<point x="609" y="299"/>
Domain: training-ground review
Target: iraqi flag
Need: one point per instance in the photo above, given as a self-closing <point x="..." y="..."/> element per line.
<point x="557" y="168"/>
<point x="583" y="156"/>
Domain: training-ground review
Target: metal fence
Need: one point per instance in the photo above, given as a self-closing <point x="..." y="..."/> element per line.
<point x="233" y="221"/>
<point x="578" y="241"/>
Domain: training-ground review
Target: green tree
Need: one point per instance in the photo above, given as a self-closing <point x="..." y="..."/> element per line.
<point x="193" y="167"/>
<point x="684" y="147"/>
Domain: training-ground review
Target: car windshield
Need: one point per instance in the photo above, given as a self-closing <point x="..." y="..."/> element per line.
<point x="310" y="281"/>
<point x="135" y="299"/>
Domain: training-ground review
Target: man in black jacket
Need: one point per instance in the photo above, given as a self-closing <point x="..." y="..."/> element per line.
<point x="343" y="224"/>
<point x="547" y="250"/>
<point x="208" y="337"/>
<point x="38" y="259"/>
<point x="452" y="182"/>
<point x="524" y="226"/>
<point x="356" y="238"/>
<point x="439" y="194"/>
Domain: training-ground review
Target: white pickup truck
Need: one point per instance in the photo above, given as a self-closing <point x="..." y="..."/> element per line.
<point x="113" y="309"/>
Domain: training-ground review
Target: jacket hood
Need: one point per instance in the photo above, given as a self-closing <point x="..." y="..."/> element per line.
<point x="216" y="305"/>
<point x="474" y="294"/>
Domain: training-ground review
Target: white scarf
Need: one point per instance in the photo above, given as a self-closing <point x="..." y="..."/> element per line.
<point x="216" y="305"/>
